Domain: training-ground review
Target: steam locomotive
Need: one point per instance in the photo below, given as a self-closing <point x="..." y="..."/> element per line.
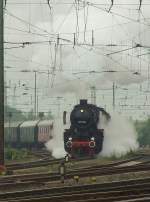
<point x="84" y="138"/>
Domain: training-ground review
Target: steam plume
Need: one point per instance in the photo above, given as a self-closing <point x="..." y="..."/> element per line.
<point x="119" y="137"/>
<point x="56" y="145"/>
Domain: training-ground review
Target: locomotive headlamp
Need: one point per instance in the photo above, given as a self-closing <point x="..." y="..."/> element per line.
<point x="82" y="110"/>
<point x="92" y="144"/>
<point x="70" y="138"/>
<point x="69" y="144"/>
<point x="92" y="138"/>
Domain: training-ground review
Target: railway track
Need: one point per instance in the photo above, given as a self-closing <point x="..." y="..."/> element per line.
<point x="46" y="161"/>
<point x="117" y="163"/>
<point x="107" y="197"/>
<point x="33" y="164"/>
<point x="45" y="177"/>
<point x="91" y="193"/>
<point x="116" y="191"/>
<point x="38" y="163"/>
<point x="44" y="154"/>
<point x="108" y="169"/>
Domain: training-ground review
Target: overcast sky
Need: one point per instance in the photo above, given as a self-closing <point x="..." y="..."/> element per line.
<point x="70" y="38"/>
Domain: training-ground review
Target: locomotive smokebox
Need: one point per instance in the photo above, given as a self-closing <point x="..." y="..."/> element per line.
<point x="83" y="102"/>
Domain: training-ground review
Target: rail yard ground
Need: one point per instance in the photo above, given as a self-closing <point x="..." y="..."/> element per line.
<point x="102" y="179"/>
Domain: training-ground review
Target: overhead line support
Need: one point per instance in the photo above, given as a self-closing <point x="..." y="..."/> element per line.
<point x="112" y="3"/>
<point x="1" y="84"/>
<point x="140" y="5"/>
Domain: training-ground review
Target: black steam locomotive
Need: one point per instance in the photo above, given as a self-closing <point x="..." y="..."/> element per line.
<point x="83" y="138"/>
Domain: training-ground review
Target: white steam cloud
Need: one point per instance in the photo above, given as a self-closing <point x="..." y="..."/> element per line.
<point x="56" y="145"/>
<point x="120" y="137"/>
<point x="65" y="86"/>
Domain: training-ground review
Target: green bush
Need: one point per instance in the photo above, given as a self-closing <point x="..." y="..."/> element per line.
<point x="143" y="130"/>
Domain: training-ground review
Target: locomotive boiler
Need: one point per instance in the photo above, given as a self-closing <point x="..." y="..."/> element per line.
<point x="84" y="138"/>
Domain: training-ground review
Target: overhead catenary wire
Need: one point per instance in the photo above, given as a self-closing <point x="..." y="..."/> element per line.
<point x="49" y="33"/>
<point x="70" y="42"/>
<point x="96" y="47"/>
<point x="65" y="18"/>
<point x="104" y="55"/>
<point x="77" y="19"/>
<point x="101" y="54"/>
<point x="114" y="13"/>
<point x="120" y="51"/>
<point x="46" y="34"/>
<point x="27" y="23"/>
<point x="25" y="31"/>
<point x="69" y="3"/>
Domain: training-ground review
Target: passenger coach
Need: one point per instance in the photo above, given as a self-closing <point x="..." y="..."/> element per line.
<point x="29" y="133"/>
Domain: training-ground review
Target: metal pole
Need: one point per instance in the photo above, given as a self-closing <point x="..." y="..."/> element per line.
<point x="113" y="96"/>
<point x="5" y="92"/>
<point x="35" y="105"/>
<point x="58" y="112"/>
<point x="9" y="115"/>
<point x="14" y="96"/>
<point x="37" y="111"/>
<point x="93" y="95"/>
<point x="59" y="104"/>
<point x="1" y="85"/>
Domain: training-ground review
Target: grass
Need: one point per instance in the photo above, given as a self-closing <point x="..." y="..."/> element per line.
<point x="15" y="154"/>
<point x="18" y="155"/>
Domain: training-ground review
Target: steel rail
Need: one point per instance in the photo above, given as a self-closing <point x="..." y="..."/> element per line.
<point x="85" y="191"/>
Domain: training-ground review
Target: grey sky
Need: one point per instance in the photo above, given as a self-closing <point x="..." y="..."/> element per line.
<point x="124" y="27"/>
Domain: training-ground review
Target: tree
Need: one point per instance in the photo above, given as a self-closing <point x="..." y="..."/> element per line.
<point x="30" y="115"/>
<point x="41" y="115"/>
<point x="143" y="129"/>
<point x="49" y="115"/>
<point x="13" y="114"/>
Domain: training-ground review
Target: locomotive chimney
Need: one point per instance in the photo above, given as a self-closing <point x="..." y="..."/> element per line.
<point x="83" y="102"/>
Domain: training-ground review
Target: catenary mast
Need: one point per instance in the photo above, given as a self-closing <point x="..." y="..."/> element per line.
<point x="1" y="84"/>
